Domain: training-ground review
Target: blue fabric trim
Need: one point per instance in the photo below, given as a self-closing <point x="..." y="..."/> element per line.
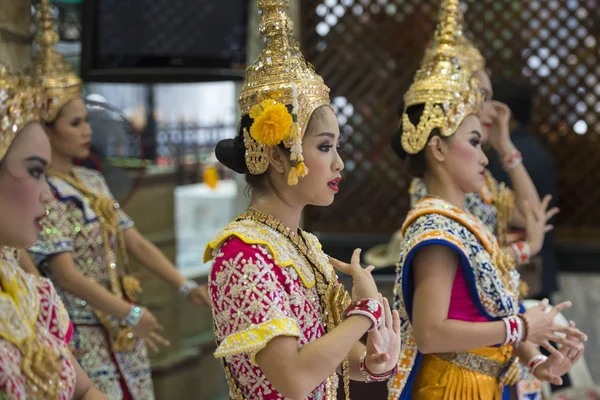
<point x="407" y="290"/>
<point x="77" y="200"/>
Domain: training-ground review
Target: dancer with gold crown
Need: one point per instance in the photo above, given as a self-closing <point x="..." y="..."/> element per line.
<point x="456" y="290"/>
<point x="85" y="242"/>
<point x="496" y="205"/>
<point x="35" y="331"/>
<point x="284" y="325"/>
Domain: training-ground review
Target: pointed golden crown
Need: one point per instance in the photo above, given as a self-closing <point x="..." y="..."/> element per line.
<point x="442" y="85"/>
<point x="280" y="65"/>
<point x="469" y="55"/>
<point x="21" y="102"/>
<point x="60" y="83"/>
<point x="279" y="77"/>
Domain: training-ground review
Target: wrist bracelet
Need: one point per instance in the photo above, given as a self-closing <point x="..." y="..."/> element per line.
<point x="134" y="316"/>
<point x="369" y="308"/>
<point x="185" y="289"/>
<point x="371" y="377"/>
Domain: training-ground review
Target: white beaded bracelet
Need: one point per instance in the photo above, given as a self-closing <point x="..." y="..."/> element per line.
<point x="185" y="289"/>
<point x="134" y="317"/>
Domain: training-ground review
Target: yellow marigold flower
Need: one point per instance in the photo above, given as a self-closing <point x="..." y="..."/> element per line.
<point x="211" y="176"/>
<point x="272" y="123"/>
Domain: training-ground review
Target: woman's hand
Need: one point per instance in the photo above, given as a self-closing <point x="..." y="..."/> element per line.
<point x="147" y="329"/>
<point x="560" y="362"/>
<point x="543" y="329"/>
<point x="384" y="344"/>
<point x="363" y="284"/>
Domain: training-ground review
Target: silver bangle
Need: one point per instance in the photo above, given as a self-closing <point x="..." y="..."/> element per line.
<point x="185" y="289"/>
<point x="134" y="316"/>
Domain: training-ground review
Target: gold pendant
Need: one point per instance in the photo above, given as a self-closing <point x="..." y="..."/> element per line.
<point x="42" y="365"/>
<point x="337" y="300"/>
<point x="131" y="287"/>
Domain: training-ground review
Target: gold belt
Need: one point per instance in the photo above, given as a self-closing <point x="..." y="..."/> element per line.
<point x="484" y="365"/>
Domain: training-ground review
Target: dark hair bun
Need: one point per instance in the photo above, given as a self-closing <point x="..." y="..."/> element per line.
<point x="232" y="154"/>
<point x="396" y="143"/>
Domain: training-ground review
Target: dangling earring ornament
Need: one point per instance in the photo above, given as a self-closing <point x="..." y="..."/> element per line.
<point x="298" y="169"/>
<point x="256" y="161"/>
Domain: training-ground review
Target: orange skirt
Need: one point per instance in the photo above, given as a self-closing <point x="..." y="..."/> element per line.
<point x="438" y="379"/>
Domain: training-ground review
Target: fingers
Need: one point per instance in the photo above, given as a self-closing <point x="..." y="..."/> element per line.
<point x="573" y="334"/>
<point x="355" y="260"/>
<point x="150" y="343"/>
<point x="545" y="202"/>
<point x="396" y="322"/>
<point x="388" y="313"/>
<point x="560" y="308"/>
<point x="548" y="228"/>
<point x="551" y="213"/>
<point x="340" y="266"/>
<point x="370" y="269"/>
<point x="160" y="339"/>
<point x="551" y="349"/>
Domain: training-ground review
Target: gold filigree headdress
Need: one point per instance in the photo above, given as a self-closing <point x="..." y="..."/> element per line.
<point x="60" y="83"/>
<point x="279" y="78"/>
<point x="442" y="85"/>
<point x="469" y="55"/>
<point x="21" y="102"/>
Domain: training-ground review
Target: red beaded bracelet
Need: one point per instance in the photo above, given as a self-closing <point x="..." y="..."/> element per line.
<point x="512" y="160"/>
<point x="369" y="308"/>
<point x="371" y="377"/>
<point x="536" y="362"/>
<point x="514" y="329"/>
<point x="523" y="252"/>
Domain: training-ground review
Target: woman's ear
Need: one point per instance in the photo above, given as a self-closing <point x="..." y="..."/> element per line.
<point x="276" y="158"/>
<point x="438" y="148"/>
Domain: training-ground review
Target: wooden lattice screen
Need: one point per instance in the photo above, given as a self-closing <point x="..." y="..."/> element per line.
<point x="368" y="50"/>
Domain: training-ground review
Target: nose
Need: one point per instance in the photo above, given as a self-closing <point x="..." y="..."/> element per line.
<point x="46" y="193"/>
<point x="87" y="129"/>
<point x="484" y="160"/>
<point x="338" y="163"/>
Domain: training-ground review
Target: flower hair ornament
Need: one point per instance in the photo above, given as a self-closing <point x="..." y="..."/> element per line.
<point x="280" y="77"/>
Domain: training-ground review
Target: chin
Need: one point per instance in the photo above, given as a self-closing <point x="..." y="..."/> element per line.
<point x="322" y="202"/>
<point x="83" y="154"/>
<point x="25" y="241"/>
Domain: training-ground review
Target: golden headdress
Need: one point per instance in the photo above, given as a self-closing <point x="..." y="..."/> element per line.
<point x="21" y="102"/>
<point x="469" y="55"/>
<point x="60" y="83"/>
<point x="280" y="77"/>
<point x="442" y="85"/>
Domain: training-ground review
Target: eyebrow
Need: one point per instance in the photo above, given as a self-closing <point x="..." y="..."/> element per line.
<point x="476" y="133"/>
<point x="38" y="159"/>
<point x="328" y="134"/>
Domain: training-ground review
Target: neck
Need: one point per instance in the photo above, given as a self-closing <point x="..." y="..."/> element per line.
<point x="60" y="163"/>
<point x="273" y="205"/>
<point x="450" y="193"/>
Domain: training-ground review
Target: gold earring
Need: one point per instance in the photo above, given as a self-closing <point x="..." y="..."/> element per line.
<point x="256" y="161"/>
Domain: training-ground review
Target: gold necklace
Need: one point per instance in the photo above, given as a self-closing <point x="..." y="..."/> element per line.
<point x="105" y="209"/>
<point x="40" y="364"/>
<point x="332" y="295"/>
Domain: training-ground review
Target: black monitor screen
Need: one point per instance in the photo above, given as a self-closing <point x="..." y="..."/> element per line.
<point x="164" y="40"/>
